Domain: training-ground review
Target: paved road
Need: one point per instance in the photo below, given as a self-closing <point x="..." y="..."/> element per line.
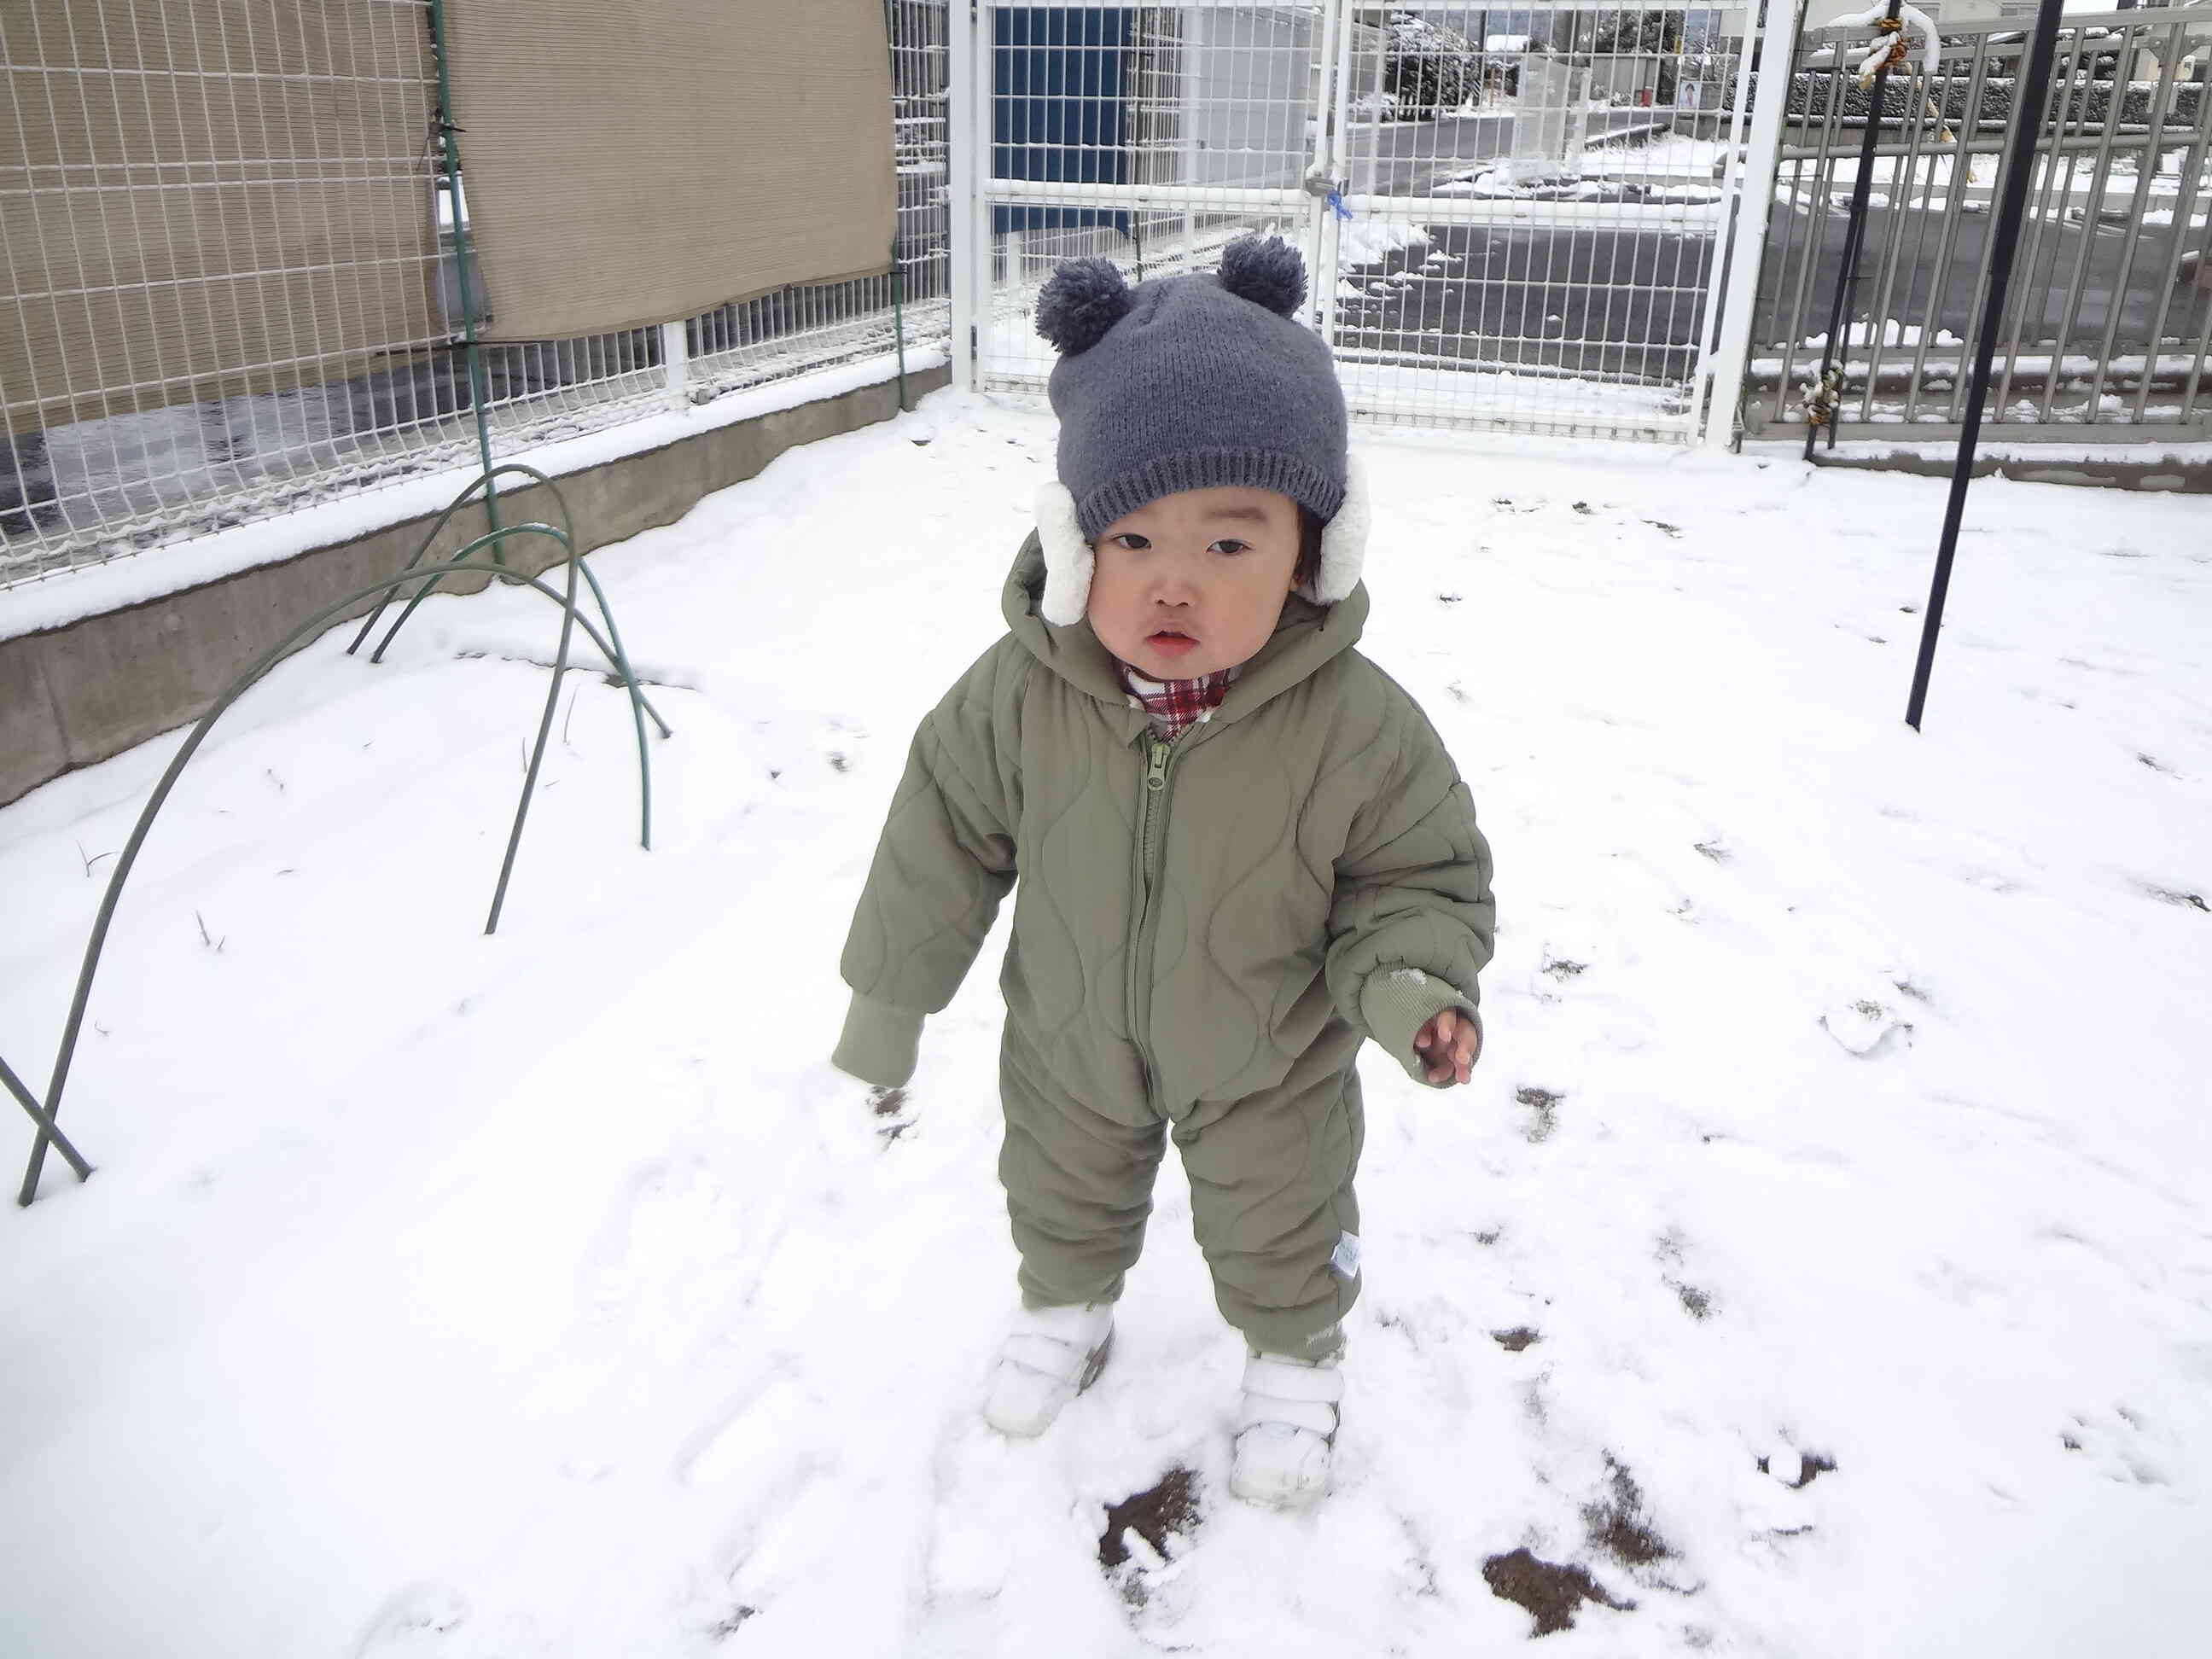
<point x="2046" y="274"/>
<point x="1522" y="294"/>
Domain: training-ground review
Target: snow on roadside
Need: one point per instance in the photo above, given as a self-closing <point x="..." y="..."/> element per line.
<point x="548" y="1294"/>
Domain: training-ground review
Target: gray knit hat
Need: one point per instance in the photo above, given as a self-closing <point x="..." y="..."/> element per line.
<point x="1187" y="383"/>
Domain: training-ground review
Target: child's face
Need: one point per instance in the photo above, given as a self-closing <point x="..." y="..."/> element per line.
<point x="1212" y="566"/>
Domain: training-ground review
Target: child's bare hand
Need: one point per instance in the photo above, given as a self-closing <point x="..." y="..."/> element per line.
<point x="1447" y="1044"/>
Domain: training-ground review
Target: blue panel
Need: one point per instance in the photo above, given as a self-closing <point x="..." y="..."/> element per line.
<point x="1060" y="105"/>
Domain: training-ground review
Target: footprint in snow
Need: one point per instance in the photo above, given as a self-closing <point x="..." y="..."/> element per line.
<point x="2121" y="1444"/>
<point x="411" y="1621"/>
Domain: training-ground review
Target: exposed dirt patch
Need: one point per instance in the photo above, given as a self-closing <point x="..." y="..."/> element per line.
<point x="1517" y="1339"/>
<point x="2170" y="896"/>
<point x="1618" y="1524"/>
<point x="1167" y="1511"/>
<point x="1811" y="1467"/>
<point x="1562" y="970"/>
<point x="728" y="1627"/>
<point x="886" y="1103"/>
<point x="1549" y="1592"/>
<point x="1544" y="1103"/>
<point x="1698" y="1303"/>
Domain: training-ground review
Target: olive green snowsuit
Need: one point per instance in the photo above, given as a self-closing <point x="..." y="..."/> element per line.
<point x="1204" y="932"/>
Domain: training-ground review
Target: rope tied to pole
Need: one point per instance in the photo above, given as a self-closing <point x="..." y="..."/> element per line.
<point x="1821" y="397"/>
<point x="1892" y="53"/>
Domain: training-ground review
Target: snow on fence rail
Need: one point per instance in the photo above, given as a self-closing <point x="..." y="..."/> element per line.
<point x="136" y="180"/>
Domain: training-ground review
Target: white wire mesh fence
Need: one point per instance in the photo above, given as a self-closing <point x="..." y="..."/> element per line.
<point x="151" y="182"/>
<point x="1504" y="230"/>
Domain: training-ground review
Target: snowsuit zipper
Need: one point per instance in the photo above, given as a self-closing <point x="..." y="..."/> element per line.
<point x="1152" y="836"/>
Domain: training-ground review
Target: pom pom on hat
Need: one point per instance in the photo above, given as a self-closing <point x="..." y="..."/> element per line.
<point x="1081" y="301"/>
<point x="1266" y="270"/>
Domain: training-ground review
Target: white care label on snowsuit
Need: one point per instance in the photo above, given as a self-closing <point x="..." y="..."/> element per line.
<point x="1344" y="1260"/>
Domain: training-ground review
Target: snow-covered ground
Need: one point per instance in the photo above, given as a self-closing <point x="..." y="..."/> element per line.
<point x="1821" y="1262"/>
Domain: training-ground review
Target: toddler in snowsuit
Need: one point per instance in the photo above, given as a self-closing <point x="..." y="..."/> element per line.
<point x="1242" y="849"/>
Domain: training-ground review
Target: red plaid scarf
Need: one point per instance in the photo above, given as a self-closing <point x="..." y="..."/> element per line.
<point x="1176" y="705"/>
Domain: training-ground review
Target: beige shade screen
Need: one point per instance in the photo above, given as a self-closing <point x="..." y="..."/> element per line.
<point x="206" y="200"/>
<point x="635" y="164"/>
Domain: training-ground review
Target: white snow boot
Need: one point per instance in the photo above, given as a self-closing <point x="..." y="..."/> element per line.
<point x="1050" y="1356"/>
<point x="1286" y="1429"/>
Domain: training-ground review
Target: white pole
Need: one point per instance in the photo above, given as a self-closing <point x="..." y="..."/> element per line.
<point x="1321" y="162"/>
<point x="1336" y="153"/>
<point x="1731" y="179"/>
<point x="1776" y="48"/>
<point x="962" y="177"/>
<point x="676" y="361"/>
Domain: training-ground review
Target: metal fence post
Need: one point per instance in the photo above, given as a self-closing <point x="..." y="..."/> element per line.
<point x="1777" y="52"/>
<point x="676" y="359"/>
<point x="963" y="178"/>
<point x="1732" y="176"/>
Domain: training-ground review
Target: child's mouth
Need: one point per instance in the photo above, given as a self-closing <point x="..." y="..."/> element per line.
<point x="1171" y="643"/>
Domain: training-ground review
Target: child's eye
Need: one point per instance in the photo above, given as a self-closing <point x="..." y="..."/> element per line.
<point x="1130" y="541"/>
<point x="1232" y="547"/>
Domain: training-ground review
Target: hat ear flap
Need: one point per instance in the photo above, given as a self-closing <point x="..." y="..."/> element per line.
<point x="1344" y="538"/>
<point x="1067" y="558"/>
<point x="1080" y="302"/>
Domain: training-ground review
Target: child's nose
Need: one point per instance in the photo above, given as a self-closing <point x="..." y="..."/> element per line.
<point x="1175" y="586"/>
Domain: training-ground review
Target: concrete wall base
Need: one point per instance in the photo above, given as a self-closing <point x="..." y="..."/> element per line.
<point x="2170" y="474"/>
<point x="79" y="694"/>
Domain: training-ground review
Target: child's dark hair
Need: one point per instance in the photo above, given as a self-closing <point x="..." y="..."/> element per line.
<point x="1308" y="565"/>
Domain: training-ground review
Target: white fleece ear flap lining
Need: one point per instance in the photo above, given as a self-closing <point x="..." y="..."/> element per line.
<point x="1067" y="558"/>
<point x="1344" y="538"/>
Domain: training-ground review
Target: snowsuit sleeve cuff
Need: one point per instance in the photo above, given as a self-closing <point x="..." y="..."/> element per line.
<point x="879" y="1042"/>
<point x="1396" y="1002"/>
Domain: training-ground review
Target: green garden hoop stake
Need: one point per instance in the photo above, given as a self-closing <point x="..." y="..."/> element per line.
<point x="44" y="1112"/>
<point x="425" y="579"/>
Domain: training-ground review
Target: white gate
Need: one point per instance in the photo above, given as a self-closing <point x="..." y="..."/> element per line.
<point x="1510" y="231"/>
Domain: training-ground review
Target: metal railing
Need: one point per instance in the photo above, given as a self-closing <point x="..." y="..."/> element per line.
<point x="139" y="466"/>
<point x="2109" y="319"/>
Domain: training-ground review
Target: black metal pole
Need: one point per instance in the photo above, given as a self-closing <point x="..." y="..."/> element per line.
<point x="2029" y="98"/>
<point x="1854" y="240"/>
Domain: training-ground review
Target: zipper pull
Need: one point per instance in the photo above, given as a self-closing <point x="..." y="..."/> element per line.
<point x="1156" y="778"/>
